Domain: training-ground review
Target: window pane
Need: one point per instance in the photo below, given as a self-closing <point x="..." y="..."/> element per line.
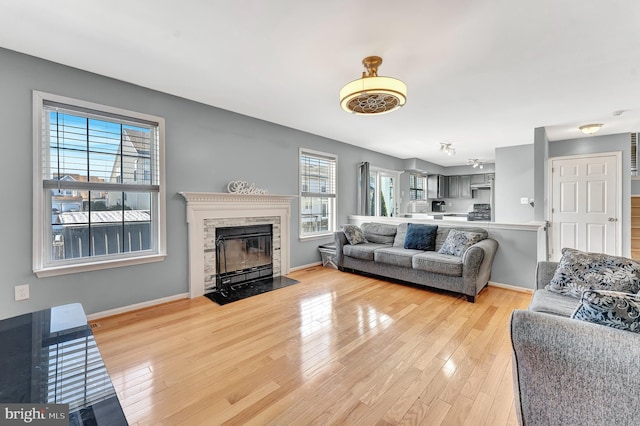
<point x="98" y="223"/>
<point x="137" y="221"/>
<point x="315" y="214"/>
<point x="387" y="200"/>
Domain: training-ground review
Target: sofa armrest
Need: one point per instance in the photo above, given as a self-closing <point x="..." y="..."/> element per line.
<point x="567" y="371"/>
<point x="477" y="262"/>
<point x="340" y="240"/>
<point x="544" y="273"/>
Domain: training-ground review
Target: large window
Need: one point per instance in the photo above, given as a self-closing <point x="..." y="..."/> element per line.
<point x="417" y="186"/>
<point x="98" y="192"/>
<point x="317" y="193"/>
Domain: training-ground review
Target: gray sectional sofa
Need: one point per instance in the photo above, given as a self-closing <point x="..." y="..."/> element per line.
<point x="383" y="255"/>
<point x="571" y="372"/>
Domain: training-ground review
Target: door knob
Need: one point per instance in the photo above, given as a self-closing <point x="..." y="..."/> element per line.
<point x="612" y="219"/>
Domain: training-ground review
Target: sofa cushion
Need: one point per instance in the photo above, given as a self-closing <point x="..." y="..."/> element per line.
<point x="362" y="251"/>
<point x="611" y="308"/>
<point x="438" y="263"/>
<point x="354" y="234"/>
<point x="458" y="241"/>
<point x="579" y="271"/>
<point x="379" y="232"/>
<point x="401" y="234"/>
<point x="395" y="256"/>
<point x="420" y="236"/>
<point x="553" y="303"/>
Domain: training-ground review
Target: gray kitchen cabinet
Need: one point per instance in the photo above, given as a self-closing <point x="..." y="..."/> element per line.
<point x="464" y="186"/>
<point x="454" y="187"/>
<point x="437" y="186"/>
<point x="478" y="179"/>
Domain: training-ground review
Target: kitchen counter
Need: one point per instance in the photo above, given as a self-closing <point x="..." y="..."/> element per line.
<point x="457" y="216"/>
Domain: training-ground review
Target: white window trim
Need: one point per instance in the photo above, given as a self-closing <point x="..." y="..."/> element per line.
<point x="334" y="220"/>
<point x="40" y="268"/>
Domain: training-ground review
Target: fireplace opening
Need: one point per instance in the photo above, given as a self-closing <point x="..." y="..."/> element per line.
<point x="243" y="254"/>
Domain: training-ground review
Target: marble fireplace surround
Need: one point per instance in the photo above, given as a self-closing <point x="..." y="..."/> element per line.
<point x="206" y="210"/>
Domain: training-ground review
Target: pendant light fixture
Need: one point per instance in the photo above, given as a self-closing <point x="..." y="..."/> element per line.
<point x="371" y="95"/>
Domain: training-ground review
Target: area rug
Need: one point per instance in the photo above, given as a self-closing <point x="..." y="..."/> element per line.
<point x="251" y="289"/>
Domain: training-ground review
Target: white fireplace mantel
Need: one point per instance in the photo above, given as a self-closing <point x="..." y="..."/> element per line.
<point x="212" y="205"/>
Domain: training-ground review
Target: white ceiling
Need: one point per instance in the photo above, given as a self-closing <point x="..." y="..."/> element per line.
<point x="481" y="74"/>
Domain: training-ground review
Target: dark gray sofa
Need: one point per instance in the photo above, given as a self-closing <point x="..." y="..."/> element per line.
<point x="384" y="255"/>
<point x="571" y="372"/>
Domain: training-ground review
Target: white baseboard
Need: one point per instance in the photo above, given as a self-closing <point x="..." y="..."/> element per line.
<point x="136" y="306"/>
<point x="309" y="265"/>
<point x="512" y="287"/>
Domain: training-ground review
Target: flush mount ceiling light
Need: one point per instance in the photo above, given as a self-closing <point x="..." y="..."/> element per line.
<point x="447" y="149"/>
<point x="473" y="162"/>
<point x="589" y="129"/>
<point x="371" y="94"/>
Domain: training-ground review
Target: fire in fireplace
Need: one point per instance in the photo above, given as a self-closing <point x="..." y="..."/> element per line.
<point x="243" y="254"/>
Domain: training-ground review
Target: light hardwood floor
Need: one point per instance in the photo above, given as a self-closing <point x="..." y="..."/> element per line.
<point x="337" y="348"/>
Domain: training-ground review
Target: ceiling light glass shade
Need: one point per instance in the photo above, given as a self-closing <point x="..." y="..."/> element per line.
<point x="589" y="129"/>
<point x="371" y="94"/>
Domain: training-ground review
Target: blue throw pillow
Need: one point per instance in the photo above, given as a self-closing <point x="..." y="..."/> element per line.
<point x="421" y="237"/>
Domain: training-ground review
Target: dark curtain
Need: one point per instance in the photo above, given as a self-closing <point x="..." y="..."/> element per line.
<point x="364" y="195"/>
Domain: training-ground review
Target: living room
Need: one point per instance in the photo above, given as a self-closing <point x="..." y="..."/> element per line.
<point x="206" y="147"/>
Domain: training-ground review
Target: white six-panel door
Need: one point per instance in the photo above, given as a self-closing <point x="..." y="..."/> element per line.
<point x="585" y="204"/>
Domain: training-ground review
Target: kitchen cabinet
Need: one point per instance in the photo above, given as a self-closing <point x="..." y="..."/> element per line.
<point x="454" y="187"/>
<point x="437" y="186"/>
<point x="465" y="186"/>
<point x="482" y="181"/>
<point x="478" y="179"/>
<point x="459" y="186"/>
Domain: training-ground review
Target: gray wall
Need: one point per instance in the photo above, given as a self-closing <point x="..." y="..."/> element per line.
<point x="607" y="143"/>
<point x="514" y="180"/>
<point x="205" y="148"/>
<point x="540" y="157"/>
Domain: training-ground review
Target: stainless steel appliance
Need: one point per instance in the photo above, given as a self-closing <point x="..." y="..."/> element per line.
<point x="438" y="206"/>
<point x="480" y="212"/>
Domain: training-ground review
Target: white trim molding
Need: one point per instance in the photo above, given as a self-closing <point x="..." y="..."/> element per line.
<point x="202" y="206"/>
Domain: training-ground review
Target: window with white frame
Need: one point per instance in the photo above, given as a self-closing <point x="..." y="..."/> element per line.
<point x="99" y="186"/>
<point x="417" y="186"/>
<point x="317" y="193"/>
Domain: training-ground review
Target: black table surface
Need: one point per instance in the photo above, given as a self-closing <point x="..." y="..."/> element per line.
<point x="51" y="357"/>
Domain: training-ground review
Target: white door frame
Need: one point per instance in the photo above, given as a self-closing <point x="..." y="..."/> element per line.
<point x="395" y="174"/>
<point x="618" y="189"/>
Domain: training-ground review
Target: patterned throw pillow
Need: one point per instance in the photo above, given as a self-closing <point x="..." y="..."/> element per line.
<point x="611" y="308"/>
<point x="354" y="234"/>
<point x="458" y="242"/>
<point x="579" y="271"/>
<point x="420" y="237"/>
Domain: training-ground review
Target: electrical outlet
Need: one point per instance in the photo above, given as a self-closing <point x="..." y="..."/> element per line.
<point x="524" y="200"/>
<point x="22" y="292"/>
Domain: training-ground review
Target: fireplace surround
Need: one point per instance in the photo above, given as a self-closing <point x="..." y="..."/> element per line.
<point x="208" y="210"/>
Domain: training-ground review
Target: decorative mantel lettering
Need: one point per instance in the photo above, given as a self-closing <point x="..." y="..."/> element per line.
<point x="242" y="187"/>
